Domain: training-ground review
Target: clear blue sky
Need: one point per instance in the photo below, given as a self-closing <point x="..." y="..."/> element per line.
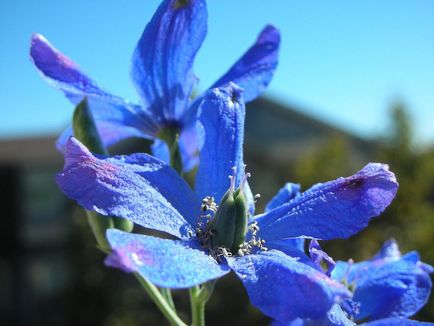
<point x="341" y="61"/>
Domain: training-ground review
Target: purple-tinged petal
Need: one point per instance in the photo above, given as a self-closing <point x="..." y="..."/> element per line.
<point x="288" y="192"/>
<point x="336" y="209"/>
<point x="60" y="71"/>
<point x="137" y="187"/>
<point x="220" y="132"/>
<point x="320" y="257"/>
<point x="254" y="70"/>
<point x="115" y="118"/>
<point x="285" y="289"/>
<point x="163" y="59"/>
<point x="167" y="263"/>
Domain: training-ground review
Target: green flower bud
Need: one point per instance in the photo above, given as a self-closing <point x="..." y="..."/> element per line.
<point x="229" y="227"/>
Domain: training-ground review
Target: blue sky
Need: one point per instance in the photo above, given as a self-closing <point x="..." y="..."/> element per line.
<point x="341" y="61"/>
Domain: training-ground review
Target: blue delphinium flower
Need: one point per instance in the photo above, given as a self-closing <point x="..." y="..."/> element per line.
<point x="161" y="70"/>
<point x="387" y="285"/>
<point x="213" y="239"/>
<point x="387" y="289"/>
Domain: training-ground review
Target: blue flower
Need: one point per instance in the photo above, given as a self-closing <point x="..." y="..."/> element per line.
<point x="387" y="285"/>
<point x="161" y="70"/>
<point x="387" y="289"/>
<point x="282" y="281"/>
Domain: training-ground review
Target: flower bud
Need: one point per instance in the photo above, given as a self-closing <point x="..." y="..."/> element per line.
<point x="229" y="227"/>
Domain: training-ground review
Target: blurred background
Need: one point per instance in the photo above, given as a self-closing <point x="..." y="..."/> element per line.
<point x="354" y="85"/>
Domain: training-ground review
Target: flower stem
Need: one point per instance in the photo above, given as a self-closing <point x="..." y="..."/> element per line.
<point x="160" y="301"/>
<point x="197" y="307"/>
<point x="167" y="294"/>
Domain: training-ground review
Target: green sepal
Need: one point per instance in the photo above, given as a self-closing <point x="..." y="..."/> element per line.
<point x="85" y="131"/>
<point x="123" y="224"/>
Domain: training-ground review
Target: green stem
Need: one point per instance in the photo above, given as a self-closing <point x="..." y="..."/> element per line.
<point x="99" y="224"/>
<point x="161" y="303"/>
<point x="171" y="137"/>
<point x="167" y="294"/>
<point x="197" y="307"/>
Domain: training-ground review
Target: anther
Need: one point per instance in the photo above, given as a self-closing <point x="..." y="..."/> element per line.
<point x="256" y="197"/>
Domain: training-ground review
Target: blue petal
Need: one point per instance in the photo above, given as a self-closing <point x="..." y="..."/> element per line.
<point x="221" y="135"/>
<point x="397" y="322"/>
<point x="320" y="257"/>
<point x="160" y="150"/>
<point x="285" y="289"/>
<point x="115" y="118"/>
<point x="386" y="286"/>
<point x="288" y="192"/>
<point x="137" y="187"/>
<point x="334" y="317"/>
<point x="394" y="289"/>
<point x="336" y="209"/>
<point x="162" y="61"/>
<point x="292" y="248"/>
<point x="166" y="263"/>
<point x="254" y="70"/>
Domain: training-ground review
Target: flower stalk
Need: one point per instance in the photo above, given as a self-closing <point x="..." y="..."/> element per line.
<point x="160" y="301"/>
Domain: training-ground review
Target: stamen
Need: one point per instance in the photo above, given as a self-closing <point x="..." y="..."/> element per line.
<point x="208" y="204"/>
<point x="244" y="181"/>
<point x="247" y="247"/>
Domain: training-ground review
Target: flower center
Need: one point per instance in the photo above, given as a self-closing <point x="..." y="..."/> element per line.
<point x="223" y="228"/>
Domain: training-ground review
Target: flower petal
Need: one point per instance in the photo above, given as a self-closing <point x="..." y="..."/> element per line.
<point x="137" y="187"/>
<point x="220" y="132"/>
<point x="285" y="289"/>
<point x="167" y="263"/>
<point x="283" y="196"/>
<point x="115" y="118"/>
<point x="60" y="71"/>
<point x="336" y="209"/>
<point x="163" y="59"/>
<point x="292" y="248"/>
<point x="397" y="321"/>
<point x="321" y="258"/>
<point x="254" y="70"/>
<point x="335" y="317"/>
<point x="386" y="288"/>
